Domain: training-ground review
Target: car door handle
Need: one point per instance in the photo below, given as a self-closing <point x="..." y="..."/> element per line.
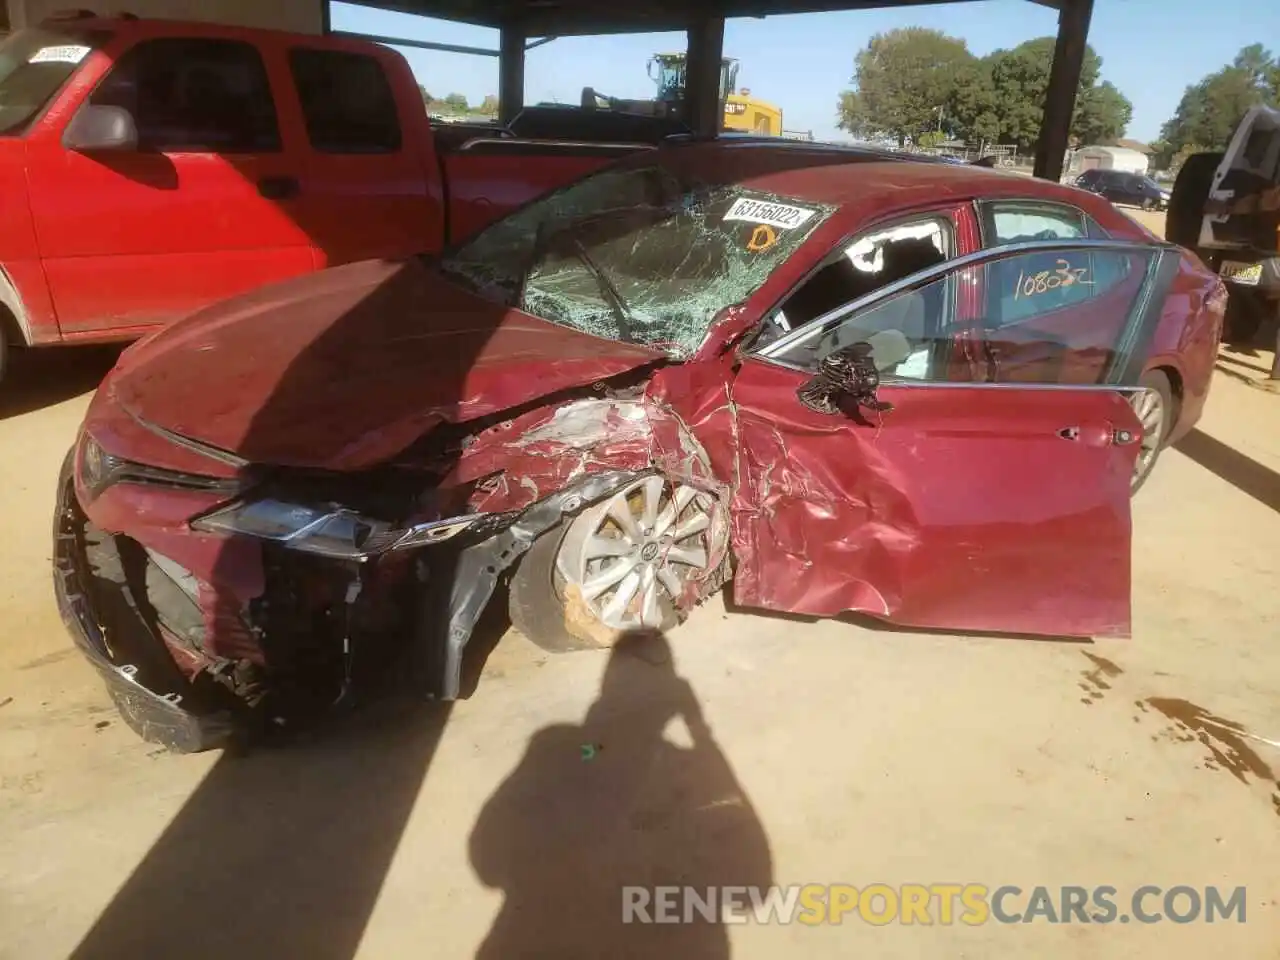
<point x="279" y="188"/>
<point x="1116" y="436"/>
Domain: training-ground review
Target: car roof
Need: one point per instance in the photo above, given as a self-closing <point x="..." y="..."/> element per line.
<point x="864" y="181"/>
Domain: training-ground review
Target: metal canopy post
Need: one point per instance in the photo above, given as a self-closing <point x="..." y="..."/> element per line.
<point x="511" y="71"/>
<point x="1064" y="82"/>
<point x="702" y="76"/>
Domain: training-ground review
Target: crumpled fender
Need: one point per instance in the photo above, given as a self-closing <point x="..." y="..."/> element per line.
<point x="550" y="464"/>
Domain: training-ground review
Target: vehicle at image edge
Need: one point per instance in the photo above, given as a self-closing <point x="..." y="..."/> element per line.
<point x="842" y="380"/>
<point x="1226" y="207"/>
<point x="1123" y="186"/>
<point x="151" y="168"/>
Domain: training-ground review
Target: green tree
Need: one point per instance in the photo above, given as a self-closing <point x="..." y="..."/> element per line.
<point x="426" y="97"/>
<point x="1019" y="83"/>
<point x="456" y="103"/>
<point x="902" y="82"/>
<point x="1102" y="114"/>
<point x="1210" y="109"/>
<point x="972" y="106"/>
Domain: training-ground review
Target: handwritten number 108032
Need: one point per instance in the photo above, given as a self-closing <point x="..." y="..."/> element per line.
<point x="1064" y="276"/>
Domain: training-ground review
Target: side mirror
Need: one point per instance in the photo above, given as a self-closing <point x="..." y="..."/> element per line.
<point x="847" y="375"/>
<point x="101" y="128"/>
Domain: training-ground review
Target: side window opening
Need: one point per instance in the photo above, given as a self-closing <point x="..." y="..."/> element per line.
<point x="862" y="267"/>
<point x="347" y="102"/>
<point x="195" y="95"/>
<point x="1053" y="340"/>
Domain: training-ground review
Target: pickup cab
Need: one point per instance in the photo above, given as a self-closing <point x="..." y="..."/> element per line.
<point x="150" y="168"/>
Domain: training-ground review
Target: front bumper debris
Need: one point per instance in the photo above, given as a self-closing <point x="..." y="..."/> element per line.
<point x="151" y="694"/>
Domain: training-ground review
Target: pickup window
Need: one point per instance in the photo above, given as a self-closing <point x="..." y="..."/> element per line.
<point x="34" y="64"/>
<point x="195" y="95"/>
<point x="347" y="103"/>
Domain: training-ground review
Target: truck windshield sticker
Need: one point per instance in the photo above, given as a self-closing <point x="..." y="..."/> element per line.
<point x="69" y="53"/>
<point x="780" y="215"/>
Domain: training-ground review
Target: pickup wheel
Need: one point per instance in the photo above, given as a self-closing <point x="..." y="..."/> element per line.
<point x="1157" y="409"/>
<point x="1245" y="313"/>
<point x="1187" y="199"/>
<point x="622" y="564"/>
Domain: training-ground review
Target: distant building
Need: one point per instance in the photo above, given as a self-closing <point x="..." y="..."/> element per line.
<point x="1110" y="158"/>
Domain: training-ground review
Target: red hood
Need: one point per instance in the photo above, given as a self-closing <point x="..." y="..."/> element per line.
<point x="343" y="369"/>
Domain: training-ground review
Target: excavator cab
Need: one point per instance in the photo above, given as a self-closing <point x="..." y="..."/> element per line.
<point x="669" y="72"/>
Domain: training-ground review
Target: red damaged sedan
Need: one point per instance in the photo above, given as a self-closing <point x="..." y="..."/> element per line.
<point x="841" y="380"/>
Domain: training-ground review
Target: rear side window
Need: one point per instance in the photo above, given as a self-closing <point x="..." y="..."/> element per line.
<point x="347" y="102"/>
<point x="195" y="96"/>
<point x="1014" y="222"/>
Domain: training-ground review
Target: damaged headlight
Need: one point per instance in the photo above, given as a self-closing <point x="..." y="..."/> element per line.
<point x="100" y="470"/>
<point x="332" y="531"/>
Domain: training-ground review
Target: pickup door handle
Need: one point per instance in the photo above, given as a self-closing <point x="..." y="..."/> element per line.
<point x="1069" y="433"/>
<point x="279" y="188"/>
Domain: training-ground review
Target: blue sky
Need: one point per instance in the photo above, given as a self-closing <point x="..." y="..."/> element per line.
<point x="1150" y="49"/>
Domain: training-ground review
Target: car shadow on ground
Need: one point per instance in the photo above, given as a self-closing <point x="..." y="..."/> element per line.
<point x="283" y="852"/>
<point x="594" y="808"/>
<point x="1242" y="472"/>
<point x="41" y="377"/>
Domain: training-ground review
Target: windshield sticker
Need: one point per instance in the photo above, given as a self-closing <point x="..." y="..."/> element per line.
<point x="1065" y="276"/>
<point x="762" y="238"/>
<point x="780" y="215"/>
<point x="65" y="54"/>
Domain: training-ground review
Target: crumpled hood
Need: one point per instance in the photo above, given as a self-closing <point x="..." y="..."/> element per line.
<point x="345" y="368"/>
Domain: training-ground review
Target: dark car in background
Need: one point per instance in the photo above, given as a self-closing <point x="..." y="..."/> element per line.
<point x="1121" y="186"/>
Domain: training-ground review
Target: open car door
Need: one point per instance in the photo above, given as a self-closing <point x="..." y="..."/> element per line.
<point x="983" y="483"/>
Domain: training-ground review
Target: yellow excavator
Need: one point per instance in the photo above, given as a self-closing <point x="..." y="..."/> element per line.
<point x="742" y="112"/>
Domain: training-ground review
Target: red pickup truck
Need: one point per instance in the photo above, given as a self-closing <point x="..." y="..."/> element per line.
<point x="150" y="168"/>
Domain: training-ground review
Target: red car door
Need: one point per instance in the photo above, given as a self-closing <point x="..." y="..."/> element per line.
<point x="201" y="209"/>
<point x="961" y="503"/>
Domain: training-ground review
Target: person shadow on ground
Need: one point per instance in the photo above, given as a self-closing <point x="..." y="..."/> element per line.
<point x="626" y="799"/>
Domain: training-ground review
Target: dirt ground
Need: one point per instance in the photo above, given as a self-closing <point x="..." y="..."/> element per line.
<point x="831" y="753"/>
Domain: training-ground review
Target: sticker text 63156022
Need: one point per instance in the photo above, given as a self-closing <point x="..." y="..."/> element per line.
<point x="1031" y="284"/>
<point x="784" y="216"/>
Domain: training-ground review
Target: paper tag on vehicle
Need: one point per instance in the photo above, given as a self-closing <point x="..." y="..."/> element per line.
<point x="64" y="54"/>
<point x="780" y="215"/>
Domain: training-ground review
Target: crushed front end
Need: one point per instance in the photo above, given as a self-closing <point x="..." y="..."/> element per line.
<point x="220" y="599"/>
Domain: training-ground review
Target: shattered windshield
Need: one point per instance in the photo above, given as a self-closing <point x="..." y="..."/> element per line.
<point x="638" y="254"/>
<point x="34" y="64"/>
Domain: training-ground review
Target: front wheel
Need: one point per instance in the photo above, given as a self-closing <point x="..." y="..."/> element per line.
<point x="1148" y="204"/>
<point x="1155" y="407"/>
<point x="622" y="564"/>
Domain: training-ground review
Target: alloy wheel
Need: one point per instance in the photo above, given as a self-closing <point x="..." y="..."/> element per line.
<point x="632" y="555"/>
<point x="1150" y="409"/>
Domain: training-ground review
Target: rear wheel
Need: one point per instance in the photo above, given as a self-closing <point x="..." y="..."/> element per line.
<point x="1156" y="408"/>
<point x="621" y="564"/>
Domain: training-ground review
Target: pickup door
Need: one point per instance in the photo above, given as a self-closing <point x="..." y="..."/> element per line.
<point x="202" y="207"/>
